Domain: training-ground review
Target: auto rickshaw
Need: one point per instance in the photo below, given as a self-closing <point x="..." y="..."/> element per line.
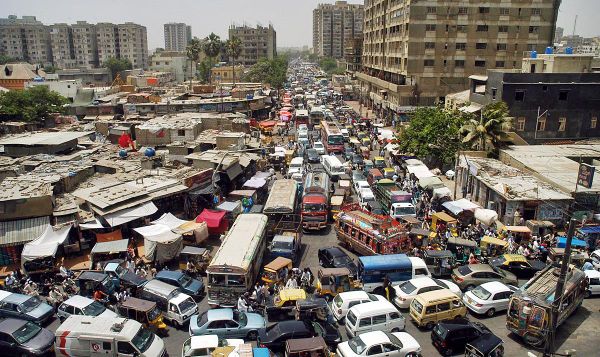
<point x="379" y="162"/>
<point x="345" y="186"/>
<point x="332" y="281"/>
<point x="198" y="257"/>
<point x="442" y="217"/>
<point x="350" y="129"/>
<point x="145" y="312"/>
<point x="487" y="345"/>
<point x="283" y="303"/>
<point x="496" y="246"/>
<point x="354" y="143"/>
<point x="439" y="262"/>
<point x="313" y="308"/>
<point x="361" y="135"/>
<point x="367" y="166"/>
<point x="555" y="256"/>
<point x="366" y="142"/>
<point x="365" y="152"/>
<point x="388" y="173"/>
<point x="521" y="234"/>
<point x="462" y="248"/>
<point x="273" y="272"/>
<point x="289" y="155"/>
<point x="307" y="347"/>
<point x="336" y="204"/>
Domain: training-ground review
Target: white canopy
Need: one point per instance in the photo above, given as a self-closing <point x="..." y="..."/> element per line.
<point x="47" y="244"/>
<point x="414" y="162"/>
<point x="160" y="243"/>
<point x="169" y="220"/>
<point x="179" y="226"/>
<point x="255" y="182"/>
<point x="430" y="182"/>
<point x="459" y="206"/>
<point x="130" y="214"/>
<point x="441" y="192"/>
<point x="420" y="171"/>
<point x="486" y="216"/>
<point x="91" y="225"/>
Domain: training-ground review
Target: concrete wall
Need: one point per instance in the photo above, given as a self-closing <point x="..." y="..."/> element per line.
<point x="31" y="207"/>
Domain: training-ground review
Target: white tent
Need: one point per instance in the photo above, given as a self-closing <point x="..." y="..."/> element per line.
<point x="46" y="245"/>
<point x="441" y="192"/>
<point x="420" y="171"/>
<point x="169" y="220"/>
<point x="458" y="206"/>
<point x="160" y="243"/>
<point x="130" y="214"/>
<point x="179" y="226"/>
<point x="486" y="216"/>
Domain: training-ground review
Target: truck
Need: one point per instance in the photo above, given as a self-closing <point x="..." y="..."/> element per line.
<point x="394" y="202"/>
<point x="315" y="201"/>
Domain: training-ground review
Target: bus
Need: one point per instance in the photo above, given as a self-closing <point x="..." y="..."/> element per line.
<point x="237" y="262"/>
<point x="372" y="270"/>
<point x="332" y="137"/>
<point x="301" y="117"/>
<point x="317" y="113"/>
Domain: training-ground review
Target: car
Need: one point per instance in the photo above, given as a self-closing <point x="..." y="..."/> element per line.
<point x="123" y="277"/>
<point x="24" y="338"/>
<point x="380" y="344"/>
<point x="593" y="277"/>
<point x="489" y="298"/>
<point x="187" y="285"/>
<point x="357" y="159"/>
<point x="274" y="336"/>
<point x="24" y="307"/>
<point x="517" y="264"/>
<point x="451" y="336"/>
<point x="406" y="291"/>
<point x="360" y="185"/>
<point x="450" y="174"/>
<point x="469" y="276"/>
<point x="348" y="152"/>
<point x="313" y="156"/>
<point x="317" y="145"/>
<point x="335" y="257"/>
<point x="204" y="346"/>
<point x="358" y="175"/>
<point x="81" y="305"/>
<point x="283" y="303"/>
<point x="342" y="302"/>
<point x="227" y="323"/>
<point x="284" y="246"/>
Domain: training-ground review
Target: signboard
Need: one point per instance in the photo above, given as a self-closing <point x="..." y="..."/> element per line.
<point x="201" y="178"/>
<point x="585" y="177"/>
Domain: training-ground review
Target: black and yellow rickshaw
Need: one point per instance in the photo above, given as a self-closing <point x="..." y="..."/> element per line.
<point x="491" y="246"/>
<point x="198" y="257"/>
<point x="145" y="312"/>
<point x="332" y="281"/>
<point x="272" y="272"/>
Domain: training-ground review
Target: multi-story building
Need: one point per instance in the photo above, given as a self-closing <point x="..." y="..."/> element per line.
<point x="85" y="45"/>
<point x="25" y="39"/>
<point x="133" y="44"/>
<point x="353" y="54"/>
<point x="107" y="40"/>
<point x="335" y="26"/>
<point x="177" y="36"/>
<point x="173" y="62"/>
<point x="61" y="40"/>
<point x="259" y="42"/>
<point x="414" y="53"/>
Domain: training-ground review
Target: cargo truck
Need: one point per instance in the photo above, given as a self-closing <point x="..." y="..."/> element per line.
<point x="315" y="201"/>
<point x="394" y="202"/>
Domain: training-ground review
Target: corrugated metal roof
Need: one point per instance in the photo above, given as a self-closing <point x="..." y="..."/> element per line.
<point x="23" y="230"/>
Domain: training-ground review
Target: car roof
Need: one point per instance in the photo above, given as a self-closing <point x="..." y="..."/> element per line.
<point x="206" y="341"/>
<point x="480" y="267"/>
<point x="16" y="298"/>
<point x="291" y="325"/>
<point x="352" y="295"/>
<point x="335" y="251"/>
<point x="173" y="274"/>
<point x="494" y="287"/>
<point x="10" y="325"/>
<point x="373" y="306"/>
<point x="437" y="295"/>
<point x="423" y="281"/>
<point x="219" y="314"/>
<point x="78" y="301"/>
<point x="374" y="337"/>
<point x="592" y="273"/>
<point x="4" y="293"/>
<point x="282" y="238"/>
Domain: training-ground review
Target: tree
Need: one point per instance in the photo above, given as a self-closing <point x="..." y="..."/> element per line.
<point x="489" y="131"/>
<point x="268" y="71"/>
<point x="212" y="48"/>
<point x="432" y="135"/>
<point x="116" y="65"/>
<point x="204" y="71"/>
<point x="233" y="48"/>
<point x="50" y="69"/>
<point x="192" y="51"/>
<point x="4" y="59"/>
<point x="32" y="104"/>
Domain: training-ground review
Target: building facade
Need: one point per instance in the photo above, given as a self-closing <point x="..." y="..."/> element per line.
<point x="257" y="43"/>
<point x="174" y="62"/>
<point x="133" y="44"/>
<point x="25" y="39"/>
<point x="61" y="40"/>
<point x="335" y="26"/>
<point x="414" y="53"/>
<point x="177" y="36"/>
<point x="85" y="45"/>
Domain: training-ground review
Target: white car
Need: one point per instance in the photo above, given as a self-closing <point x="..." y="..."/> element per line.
<point x="317" y="145"/>
<point x="81" y="305"/>
<point x="344" y="301"/>
<point x="593" y="277"/>
<point x="408" y="290"/>
<point x="380" y="344"/>
<point x="359" y="185"/>
<point x="204" y="346"/>
<point x="488" y="298"/>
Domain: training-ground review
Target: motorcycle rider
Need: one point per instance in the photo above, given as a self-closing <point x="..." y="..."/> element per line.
<point x="55" y="297"/>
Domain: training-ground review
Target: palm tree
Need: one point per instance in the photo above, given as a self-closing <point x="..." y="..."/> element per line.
<point x="489" y="132"/>
<point x="212" y="48"/>
<point x="233" y="48"/>
<point x="193" y="50"/>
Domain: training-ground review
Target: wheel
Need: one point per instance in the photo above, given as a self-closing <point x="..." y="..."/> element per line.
<point x="395" y="329"/>
<point x="176" y="324"/>
<point x="587" y="294"/>
<point x="448" y="352"/>
<point x="490" y="313"/>
<point x="470" y="287"/>
<point x="429" y="325"/>
<point x="252" y="336"/>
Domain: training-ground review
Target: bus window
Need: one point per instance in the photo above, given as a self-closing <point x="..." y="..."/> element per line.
<point x="513" y="309"/>
<point x="217" y="279"/>
<point x="235" y="280"/>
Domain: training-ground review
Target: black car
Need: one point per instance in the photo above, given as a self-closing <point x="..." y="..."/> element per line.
<point x="451" y="336"/>
<point x="312" y="156"/>
<point x="334" y="257"/>
<point x="24" y="338"/>
<point x="274" y="336"/>
<point x="348" y="152"/>
<point x="522" y="268"/>
<point x="357" y="159"/>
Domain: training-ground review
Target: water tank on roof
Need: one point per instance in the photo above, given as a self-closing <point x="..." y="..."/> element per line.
<point x="123" y="153"/>
<point x="533" y="54"/>
<point x="549" y="50"/>
<point x="569" y="50"/>
<point x="249" y="96"/>
<point x="150" y="152"/>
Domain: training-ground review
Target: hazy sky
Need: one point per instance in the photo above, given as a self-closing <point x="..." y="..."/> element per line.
<point x="292" y="19"/>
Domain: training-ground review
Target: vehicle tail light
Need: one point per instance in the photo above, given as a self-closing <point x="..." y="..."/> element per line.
<point x="443" y="344"/>
<point x="478" y="305"/>
<point x="401" y="298"/>
<point x="263" y="346"/>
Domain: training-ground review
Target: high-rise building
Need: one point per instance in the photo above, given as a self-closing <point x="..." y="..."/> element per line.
<point x="61" y="40"/>
<point x="335" y="26"/>
<point x="414" y="53"/>
<point x="85" y="45"/>
<point x="25" y="39"/>
<point x="259" y="42"/>
<point x="177" y="36"/>
<point x="558" y="34"/>
<point x="133" y="44"/>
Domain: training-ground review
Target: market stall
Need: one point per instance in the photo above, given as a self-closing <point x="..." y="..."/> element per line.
<point x="215" y="220"/>
<point x="160" y="243"/>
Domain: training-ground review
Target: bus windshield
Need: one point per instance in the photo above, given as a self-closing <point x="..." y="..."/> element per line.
<point x="335" y="139"/>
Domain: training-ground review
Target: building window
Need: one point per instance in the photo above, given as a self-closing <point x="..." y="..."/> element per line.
<point x="562" y="124"/>
<point x="563" y="95"/>
<point x="463" y="10"/>
<point x="461" y="28"/>
<point x="593" y="123"/>
<point x="533" y="29"/>
<point x="428" y="63"/>
<point x="521" y="124"/>
<point x="519" y="95"/>
<point x="494" y="92"/>
<point x="501" y="47"/>
<point x="431" y="10"/>
<point x="503" y="28"/>
<point x="482" y="28"/>
<point x="429" y="27"/>
<point x="459" y="63"/>
<point x="536" y="11"/>
<point x="429" y="45"/>
<point x="481" y="46"/>
<point x="541" y="124"/>
<point x="504" y="11"/>
<point x="479" y="63"/>
<point x="500" y="64"/>
<point x="461" y="46"/>
<point x="180" y="132"/>
<point x="484" y="10"/>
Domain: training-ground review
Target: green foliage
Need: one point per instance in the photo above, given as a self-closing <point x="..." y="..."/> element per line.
<point x="33" y="103"/>
<point x="50" y="69"/>
<point x="488" y="132"/>
<point x="313" y="57"/>
<point x="4" y="59"/>
<point x="329" y="65"/>
<point x="432" y="135"/>
<point x="204" y="71"/>
<point x="268" y="71"/>
<point x="233" y="48"/>
<point x="192" y="52"/>
<point x="116" y="65"/>
<point x="212" y="48"/>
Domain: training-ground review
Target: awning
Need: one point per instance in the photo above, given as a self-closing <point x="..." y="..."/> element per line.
<point x="169" y="220"/>
<point x="91" y="225"/>
<point x="22" y="230"/>
<point x="234" y="171"/>
<point x="478" y="77"/>
<point x="111" y="247"/>
<point x="130" y="214"/>
<point x="157" y="233"/>
<point x="160" y="243"/>
<point x="472" y="108"/>
<point x="486" y="216"/>
<point x="456" y="207"/>
<point x="441" y="192"/>
<point x="429" y="182"/>
<point x="420" y="171"/>
<point x="562" y="243"/>
<point x="47" y="244"/>
<point x="215" y="220"/>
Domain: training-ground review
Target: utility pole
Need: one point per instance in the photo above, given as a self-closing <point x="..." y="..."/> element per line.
<point x="560" y="287"/>
<point x="575" y="25"/>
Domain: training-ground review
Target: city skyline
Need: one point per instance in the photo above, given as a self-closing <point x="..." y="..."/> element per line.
<point x="293" y="29"/>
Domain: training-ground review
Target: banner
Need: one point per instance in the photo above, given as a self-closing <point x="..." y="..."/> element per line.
<point x="585" y="177"/>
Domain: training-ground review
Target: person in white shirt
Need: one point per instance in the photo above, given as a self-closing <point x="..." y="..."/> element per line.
<point x="241" y="304"/>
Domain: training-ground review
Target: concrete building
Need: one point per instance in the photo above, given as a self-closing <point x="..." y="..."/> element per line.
<point x="353" y="55"/>
<point x="174" y="62"/>
<point x="224" y="74"/>
<point x="414" y="53"/>
<point x="133" y="44"/>
<point x="85" y="45"/>
<point x="13" y="76"/>
<point x="177" y="36"/>
<point x="50" y="143"/>
<point x="61" y="40"/>
<point x="107" y="40"/>
<point x="257" y="43"/>
<point x="25" y="39"/>
<point x="91" y="76"/>
<point x="67" y="89"/>
<point x="335" y="26"/>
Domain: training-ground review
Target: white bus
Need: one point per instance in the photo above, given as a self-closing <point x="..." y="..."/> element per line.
<point x="333" y="166"/>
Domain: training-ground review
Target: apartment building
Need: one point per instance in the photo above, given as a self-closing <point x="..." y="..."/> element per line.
<point x="25" y="39"/>
<point x="414" y="53"/>
<point x="177" y="36"/>
<point x="257" y="43"/>
<point x="85" y="45"/>
<point x="133" y="44"/>
<point x="61" y="40"/>
<point x="335" y="26"/>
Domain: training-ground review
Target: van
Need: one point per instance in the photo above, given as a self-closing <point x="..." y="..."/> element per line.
<point x="332" y="166"/>
<point x="374" y="176"/>
<point x="373" y="316"/>
<point x="295" y="166"/>
<point x="176" y="306"/>
<point x="104" y="336"/>
<point x="431" y="307"/>
<point x="365" y="197"/>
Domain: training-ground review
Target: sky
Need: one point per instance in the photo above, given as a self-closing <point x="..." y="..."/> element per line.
<point x="292" y="19"/>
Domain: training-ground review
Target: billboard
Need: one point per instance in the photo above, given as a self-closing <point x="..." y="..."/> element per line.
<point x="585" y="177"/>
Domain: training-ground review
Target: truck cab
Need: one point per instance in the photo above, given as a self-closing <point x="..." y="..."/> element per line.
<point x="285" y="246"/>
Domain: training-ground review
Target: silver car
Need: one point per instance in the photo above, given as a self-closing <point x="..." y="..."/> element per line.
<point x="80" y="305"/>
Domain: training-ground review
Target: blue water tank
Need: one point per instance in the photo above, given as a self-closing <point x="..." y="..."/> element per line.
<point x="149" y="152"/>
<point x="123" y="153"/>
<point x="249" y="96"/>
<point x="569" y="50"/>
<point x="549" y="50"/>
<point x="533" y="54"/>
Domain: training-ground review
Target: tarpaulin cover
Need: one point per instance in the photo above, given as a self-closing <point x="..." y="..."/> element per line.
<point x="116" y="246"/>
<point x="262" y="174"/>
<point x="179" y="226"/>
<point x="130" y="214"/>
<point x="47" y="244"/>
<point x="169" y="220"/>
<point x="486" y="216"/>
<point x="441" y="192"/>
<point x="456" y="207"/>
<point x="215" y="220"/>
<point x="109" y="237"/>
<point x="562" y="243"/>
<point x="420" y="172"/>
<point x="95" y="224"/>
<point x="427" y="182"/>
<point x="160" y="243"/>
<point x="255" y="182"/>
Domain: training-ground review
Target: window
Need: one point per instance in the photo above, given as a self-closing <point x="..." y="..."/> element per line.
<point x="521" y="124"/>
<point x="503" y="28"/>
<point x="504" y="11"/>
<point x="374" y="350"/>
<point x="421" y="271"/>
<point x="463" y="10"/>
<point x="500" y="64"/>
<point x="501" y="47"/>
<point x="482" y="28"/>
<point x="443" y="307"/>
<point x="461" y="28"/>
<point x="562" y="124"/>
<point x="379" y="319"/>
<point x="481" y="46"/>
<point x="428" y="63"/>
<point x="430" y="309"/>
<point x="563" y="95"/>
<point x="480" y="63"/>
<point x="533" y="29"/>
<point x="536" y="12"/>
<point x="494" y="91"/>
<point x="429" y="27"/>
<point x="365" y="322"/>
<point x="541" y="124"/>
<point x="484" y="10"/>
<point x="429" y="45"/>
<point x="593" y="123"/>
<point x="459" y="63"/>
<point x="125" y="348"/>
<point x="431" y="10"/>
<point x="180" y="132"/>
<point x="394" y="315"/>
<point x="461" y="46"/>
<point x="519" y="95"/>
<point x="388" y="347"/>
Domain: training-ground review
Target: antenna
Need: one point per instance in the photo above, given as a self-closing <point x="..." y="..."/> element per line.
<point x="575" y="25"/>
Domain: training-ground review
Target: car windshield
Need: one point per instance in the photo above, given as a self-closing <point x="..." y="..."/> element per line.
<point x="498" y="270"/>
<point x="404" y="210"/>
<point x="143" y="339"/>
<point x="313" y="207"/>
<point x="440" y="330"/>
<point x="273" y="330"/>
<point x="393" y="339"/>
<point x="343" y="259"/>
<point x="464" y="270"/>
<point x="417" y="306"/>
<point x="357" y="345"/>
<point x="93" y="309"/>
<point x="30" y="304"/>
<point x="335" y="139"/>
<point x="282" y="245"/>
<point x="26" y="332"/>
<point x="481" y="293"/>
<point x="318" y="329"/>
<point x="500" y="260"/>
<point x="184" y="280"/>
<point x="440" y="283"/>
<point x="407" y="287"/>
<point x="153" y="313"/>
<point x="372" y="297"/>
<point x="186" y="305"/>
<point x="240" y="317"/>
<point x="120" y="271"/>
<point x="337" y="300"/>
<point x="351" y="317"/>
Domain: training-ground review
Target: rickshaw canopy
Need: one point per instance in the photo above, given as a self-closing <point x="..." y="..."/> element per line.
<point x="438" y="254"/>
<point x="298" y="345"/>
<point x="494" y="241"/>
<point x="326" y="272"/>
<point x="419" y="232"/>
<point x="292" y="294"/>
<point x="138" y="304"/>
<point x="484" y="345"/>
<point x="443" y="216"/>
<point x="517" y="229"/>
<point x="278" y="263"/>
<point x="337" y="200"/>
<point x="462" y="242"/>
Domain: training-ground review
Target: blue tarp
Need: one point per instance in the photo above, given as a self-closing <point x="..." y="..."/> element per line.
<point x="562" y="242"/>
<point x="589" y="230"/>
<point x="385" y="262"/>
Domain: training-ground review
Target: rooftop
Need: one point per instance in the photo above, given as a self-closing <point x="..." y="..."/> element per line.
<point x="12" y="188"/>
<point x="44" y="138"/>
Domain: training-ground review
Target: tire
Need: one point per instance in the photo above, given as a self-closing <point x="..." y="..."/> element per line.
<point x="448" y="352"/>
<point x="429" y="325"/>
<point x="587" y="294"/>
<point x="252" y="335"/>
<point x="395" y="329"/>
<point x="176" y="324"/>
<point x="490" y="313"/>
